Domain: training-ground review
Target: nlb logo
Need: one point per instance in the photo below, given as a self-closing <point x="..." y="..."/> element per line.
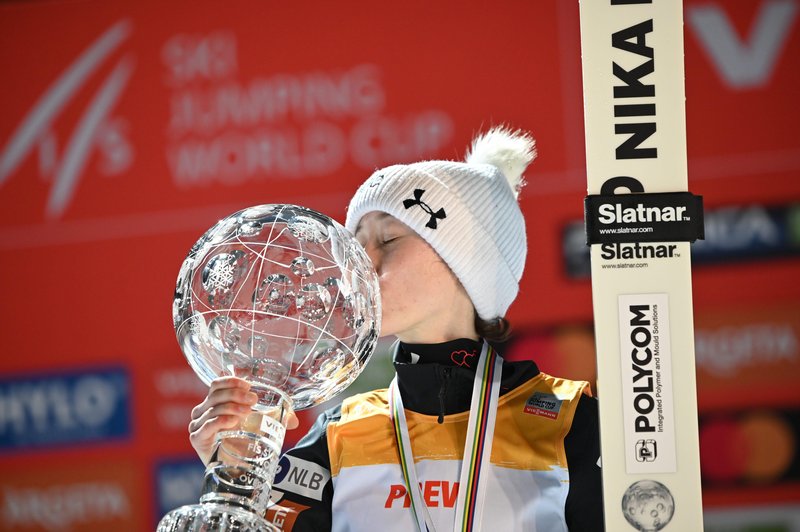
<point x="435" y="493"/>
<point x="97" y="130"/>
<point x="301" y="477"/>
<point x="67" y="408"/>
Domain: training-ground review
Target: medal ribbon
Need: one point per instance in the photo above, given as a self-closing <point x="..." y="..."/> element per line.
<point x="477" y="447"/>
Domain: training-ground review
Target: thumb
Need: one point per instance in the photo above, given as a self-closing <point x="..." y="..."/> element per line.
<point x="292" y="422"/>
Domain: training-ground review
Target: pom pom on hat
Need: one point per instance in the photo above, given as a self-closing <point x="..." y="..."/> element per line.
<point x="510" y="151"/>
<point x="467" y="211"/>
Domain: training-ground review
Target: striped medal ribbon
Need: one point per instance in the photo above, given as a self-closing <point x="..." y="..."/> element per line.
<point x="477" y="447"/>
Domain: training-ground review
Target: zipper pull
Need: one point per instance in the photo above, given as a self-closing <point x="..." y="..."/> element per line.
<point x="442" y="392"/>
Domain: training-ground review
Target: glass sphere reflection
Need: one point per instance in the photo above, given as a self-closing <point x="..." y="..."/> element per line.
<point x="648" y="505"/>
<point x="282" y="296"/>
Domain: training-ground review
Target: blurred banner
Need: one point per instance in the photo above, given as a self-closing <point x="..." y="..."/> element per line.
<point x="128" y="128"/>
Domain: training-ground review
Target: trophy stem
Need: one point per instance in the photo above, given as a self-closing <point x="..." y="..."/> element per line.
<point x="239" y="477"/>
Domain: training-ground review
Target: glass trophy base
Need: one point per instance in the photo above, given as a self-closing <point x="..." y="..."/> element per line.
<point x="214" y="517"/>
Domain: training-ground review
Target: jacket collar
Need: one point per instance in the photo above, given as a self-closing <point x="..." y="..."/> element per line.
<point x="436" y="379"/>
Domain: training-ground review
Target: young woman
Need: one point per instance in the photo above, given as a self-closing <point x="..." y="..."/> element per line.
<point x="460" y="440"/>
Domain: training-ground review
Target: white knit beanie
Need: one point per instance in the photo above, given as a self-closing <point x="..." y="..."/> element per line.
<point x="467" y="211"/>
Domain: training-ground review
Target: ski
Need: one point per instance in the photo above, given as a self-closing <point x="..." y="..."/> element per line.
<point x="640" y="221"/>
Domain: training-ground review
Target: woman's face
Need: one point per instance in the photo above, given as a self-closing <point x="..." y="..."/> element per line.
<point x="422" y="300"/>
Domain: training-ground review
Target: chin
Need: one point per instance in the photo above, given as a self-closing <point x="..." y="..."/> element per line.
<point x="386" y="332"/>
<point x="388" y="328"/>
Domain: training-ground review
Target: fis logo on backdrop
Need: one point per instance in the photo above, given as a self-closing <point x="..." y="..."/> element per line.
<point x="99" y="133"/>
<point x="301" y="477"/>
<point x="178" y="482"/>
<point x="66" y="408"/>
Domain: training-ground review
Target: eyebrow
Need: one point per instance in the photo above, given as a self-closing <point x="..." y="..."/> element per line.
<point x="381" y="216"/>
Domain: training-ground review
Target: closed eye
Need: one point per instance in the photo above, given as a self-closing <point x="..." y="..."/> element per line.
<point x="389" y="239"/>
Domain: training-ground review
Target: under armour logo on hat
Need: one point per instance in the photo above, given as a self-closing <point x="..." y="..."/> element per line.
<point x="440" y="214"/>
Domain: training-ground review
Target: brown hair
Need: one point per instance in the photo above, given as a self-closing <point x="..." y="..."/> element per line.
<point x="494" y="330"/>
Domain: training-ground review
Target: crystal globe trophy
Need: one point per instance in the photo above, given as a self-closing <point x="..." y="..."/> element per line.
<point x="285" y="298"/>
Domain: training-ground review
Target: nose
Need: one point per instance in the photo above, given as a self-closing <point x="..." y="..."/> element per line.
<point x="374" y="256"/>
<point x="373" y="252"/>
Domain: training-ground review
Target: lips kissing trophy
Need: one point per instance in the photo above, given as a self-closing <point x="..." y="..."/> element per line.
<point x="285" y="298"/>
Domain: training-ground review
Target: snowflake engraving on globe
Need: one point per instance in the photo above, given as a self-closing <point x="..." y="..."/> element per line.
<point x="648" y="505"/>
<point x="282" y="296"/>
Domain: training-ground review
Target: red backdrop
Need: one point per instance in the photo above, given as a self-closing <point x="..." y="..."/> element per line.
<point x="128" y="128"/>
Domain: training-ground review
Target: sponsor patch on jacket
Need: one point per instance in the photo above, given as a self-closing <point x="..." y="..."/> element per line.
<point x="543" y="404"/>
<point x="301" y="477"/>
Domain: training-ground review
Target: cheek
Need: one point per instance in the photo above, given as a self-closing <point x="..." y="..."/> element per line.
<point x="418" y="285"/>
<point x="414" y="281"/>
<point x="395" y="288"/>
<point x="392" y="304"/>
<point x="400" y="285"/>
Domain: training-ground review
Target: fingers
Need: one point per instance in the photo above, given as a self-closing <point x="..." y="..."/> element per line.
<point x="228" y="402"/>
<point x="204" y="432"/>
<point x="227" y="390"/>
<point x="291" y="420"/>
<point x="226" y="409"/>
<point x="229" y="382"/>
<point x="203" y="438"/>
